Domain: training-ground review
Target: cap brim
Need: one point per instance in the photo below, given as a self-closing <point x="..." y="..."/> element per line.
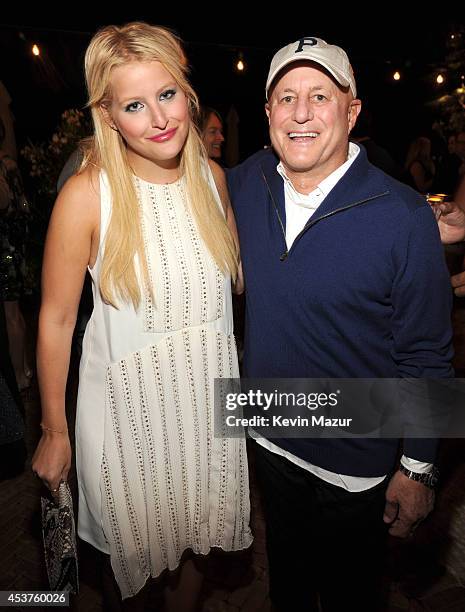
<point x="335" y="73"/>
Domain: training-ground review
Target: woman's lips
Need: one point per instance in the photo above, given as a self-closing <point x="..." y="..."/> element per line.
<point x="164" y="136"/>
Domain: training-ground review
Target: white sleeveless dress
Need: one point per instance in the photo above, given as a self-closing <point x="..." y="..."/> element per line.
<point x="153" y="479"/>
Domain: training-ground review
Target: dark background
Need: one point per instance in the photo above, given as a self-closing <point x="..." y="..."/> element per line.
<point x="377" y="43"/>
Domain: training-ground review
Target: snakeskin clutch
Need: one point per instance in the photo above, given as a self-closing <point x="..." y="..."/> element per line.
<point x="59" y="536"/>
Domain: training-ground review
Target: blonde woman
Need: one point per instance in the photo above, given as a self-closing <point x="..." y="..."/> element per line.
<point x="149" y="216"/>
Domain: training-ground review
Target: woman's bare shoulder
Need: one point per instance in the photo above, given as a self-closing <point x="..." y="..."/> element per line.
<point x="218" y="172"/>
<point x="79" y="199"/>
<point x="83" y="184"/>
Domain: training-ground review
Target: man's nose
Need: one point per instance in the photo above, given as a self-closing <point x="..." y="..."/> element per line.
<point x="303" y="110"/>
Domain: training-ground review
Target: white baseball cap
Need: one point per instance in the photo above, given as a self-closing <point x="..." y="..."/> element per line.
<point x="331" y="57"/>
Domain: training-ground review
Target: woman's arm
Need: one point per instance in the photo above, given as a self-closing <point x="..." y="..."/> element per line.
<point x="72" y="241"/>
<point x="221" y="185"/>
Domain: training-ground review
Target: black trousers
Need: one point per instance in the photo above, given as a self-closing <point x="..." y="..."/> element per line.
<point x="323" y="542"/>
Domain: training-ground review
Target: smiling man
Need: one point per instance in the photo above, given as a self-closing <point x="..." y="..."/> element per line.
<point x="345" y="278"/>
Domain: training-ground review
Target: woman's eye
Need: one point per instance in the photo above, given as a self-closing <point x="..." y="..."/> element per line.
<point x="168" y="94"/>
<point x="133" y="107"/>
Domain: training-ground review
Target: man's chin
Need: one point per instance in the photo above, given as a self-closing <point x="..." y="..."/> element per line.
<point x="294" y="165"/>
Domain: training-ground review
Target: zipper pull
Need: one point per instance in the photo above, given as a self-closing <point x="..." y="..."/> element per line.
<point x="284" y="256"/>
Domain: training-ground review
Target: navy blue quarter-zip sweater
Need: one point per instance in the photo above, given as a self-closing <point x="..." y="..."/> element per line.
<point x="363" y="292"/>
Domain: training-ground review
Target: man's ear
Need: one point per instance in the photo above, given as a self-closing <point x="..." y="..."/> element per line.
<point x="107" y="117"/>
<point x="268" y="111"/>
<point x="354" y="109"/>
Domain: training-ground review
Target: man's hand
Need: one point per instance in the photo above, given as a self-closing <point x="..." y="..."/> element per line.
<point x="451" y="222"/>
<point x="407" y="503"/>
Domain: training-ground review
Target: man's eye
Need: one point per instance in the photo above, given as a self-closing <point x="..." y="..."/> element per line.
<point x="320" y="97"/>
<point x="287" y="99"/>
<point x="133" y="107"/>
<point x="168" y="94"/>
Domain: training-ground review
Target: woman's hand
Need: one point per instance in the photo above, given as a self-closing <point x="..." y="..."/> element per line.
<point x="52" y="459"/>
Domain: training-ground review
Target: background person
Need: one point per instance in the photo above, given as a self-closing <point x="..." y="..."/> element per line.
<point x="211" y="129"/>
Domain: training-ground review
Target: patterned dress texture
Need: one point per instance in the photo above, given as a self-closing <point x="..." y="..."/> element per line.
<point x="153" y="479"/>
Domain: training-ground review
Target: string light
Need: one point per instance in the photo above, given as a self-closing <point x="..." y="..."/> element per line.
<point x="35" y="50"/>
<point x="461" y="89"/>
<point x="396" y="76"/>
<point x="440" y="79"/>
<point x="240" y="64"/>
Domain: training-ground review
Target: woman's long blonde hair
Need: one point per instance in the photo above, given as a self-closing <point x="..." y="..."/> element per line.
<point x="115" y="46"/>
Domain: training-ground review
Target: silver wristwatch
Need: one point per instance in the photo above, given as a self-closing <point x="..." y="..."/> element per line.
<point x="429" y="479"/>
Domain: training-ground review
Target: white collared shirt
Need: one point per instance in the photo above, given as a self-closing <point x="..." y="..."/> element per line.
<point x="300" y="207"/>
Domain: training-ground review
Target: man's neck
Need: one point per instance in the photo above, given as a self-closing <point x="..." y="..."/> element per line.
<point x="302" y="183"/>
<point x="306" y="182"/>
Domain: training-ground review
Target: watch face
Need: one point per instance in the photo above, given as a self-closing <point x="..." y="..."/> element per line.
<point x="430" y="480"/>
